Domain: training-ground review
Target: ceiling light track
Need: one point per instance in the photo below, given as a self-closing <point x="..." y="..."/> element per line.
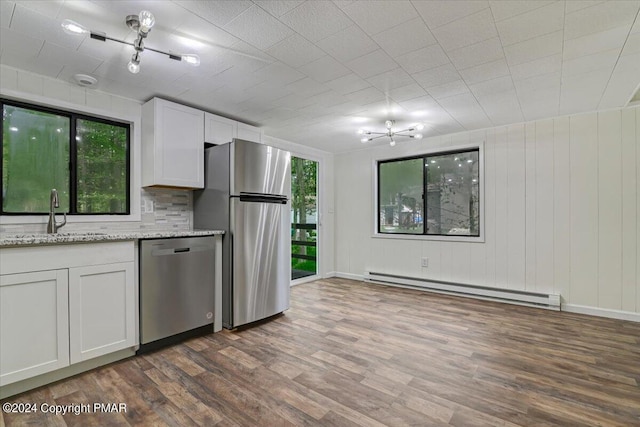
<point x="142" y="24"/>
<point x="391" y="134"/>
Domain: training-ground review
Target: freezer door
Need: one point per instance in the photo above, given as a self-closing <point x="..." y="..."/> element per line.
<point x="259" y="169"/>
<point x="261" y="260"/>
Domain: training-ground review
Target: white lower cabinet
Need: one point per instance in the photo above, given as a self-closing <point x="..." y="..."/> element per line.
<point x="34" y="324"/>
<point x="101" y="310"/>
<point x="61" y="305"/>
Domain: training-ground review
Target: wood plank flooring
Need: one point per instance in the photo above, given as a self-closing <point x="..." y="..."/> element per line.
<point x="353" y="354"/>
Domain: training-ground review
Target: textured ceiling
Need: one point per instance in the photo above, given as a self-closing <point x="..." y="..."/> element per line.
<point x="313" y="72"/>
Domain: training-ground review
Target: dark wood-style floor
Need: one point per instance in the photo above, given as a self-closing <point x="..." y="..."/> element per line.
<point x="348" y="353"/>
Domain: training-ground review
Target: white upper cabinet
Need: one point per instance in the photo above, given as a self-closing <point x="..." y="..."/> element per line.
<point x="249" y="133"/>
<point x="172" y="145"/>
<point x="220" y="130"/>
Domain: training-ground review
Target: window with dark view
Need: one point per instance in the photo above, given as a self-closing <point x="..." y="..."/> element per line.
<point x="434" y="194"/>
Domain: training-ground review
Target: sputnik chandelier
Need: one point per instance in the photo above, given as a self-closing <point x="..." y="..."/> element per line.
<point x="391" y="134"/>
<point x="142" y="24"/>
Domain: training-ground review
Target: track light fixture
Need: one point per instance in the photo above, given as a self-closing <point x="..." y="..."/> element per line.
<point x="390" y="133"/>
<point x="141" y="24"/>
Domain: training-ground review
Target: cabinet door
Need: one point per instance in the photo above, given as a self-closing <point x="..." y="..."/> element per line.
<point x="219" y="130"/>
<point x="179" y="145"/>
<point x="249" y="133"/>
<point x="101" y="310"/>
<point x="34" y="324"/>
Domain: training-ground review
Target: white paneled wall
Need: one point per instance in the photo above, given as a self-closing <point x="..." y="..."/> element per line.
<point x="561" y="213"/>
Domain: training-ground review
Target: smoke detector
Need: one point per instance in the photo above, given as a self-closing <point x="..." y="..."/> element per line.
<point x="85" y="80"/>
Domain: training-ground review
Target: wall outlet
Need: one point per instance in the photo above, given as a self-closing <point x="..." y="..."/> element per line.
<point x="425" y="262"/>
<point x="148" y="206"/>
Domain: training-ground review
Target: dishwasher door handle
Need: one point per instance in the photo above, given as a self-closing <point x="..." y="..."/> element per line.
<point x="172" y="251"/>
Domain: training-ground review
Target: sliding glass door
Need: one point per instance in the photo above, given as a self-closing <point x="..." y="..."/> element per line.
<point x="304" y="217"/>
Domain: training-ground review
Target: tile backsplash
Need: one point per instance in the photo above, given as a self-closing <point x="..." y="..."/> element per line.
<point x="166" y="208"/>
<point x="161" y="209"/>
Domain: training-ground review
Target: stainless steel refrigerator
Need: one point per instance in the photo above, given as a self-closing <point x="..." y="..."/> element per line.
<point x="246" y="194"/>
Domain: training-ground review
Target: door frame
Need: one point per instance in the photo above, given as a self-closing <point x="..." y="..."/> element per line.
<point x="319" y="229"/>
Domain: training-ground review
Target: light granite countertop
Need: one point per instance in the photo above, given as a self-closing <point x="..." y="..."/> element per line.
<point x="94" y="237"/>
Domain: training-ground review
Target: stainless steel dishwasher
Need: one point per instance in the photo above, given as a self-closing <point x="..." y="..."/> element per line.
<point x="176" y="290"/>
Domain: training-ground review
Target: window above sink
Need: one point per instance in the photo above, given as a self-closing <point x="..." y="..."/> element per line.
<point x="86" y="158"/>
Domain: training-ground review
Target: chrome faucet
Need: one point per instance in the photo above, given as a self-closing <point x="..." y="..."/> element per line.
<point x="52" y="226"/>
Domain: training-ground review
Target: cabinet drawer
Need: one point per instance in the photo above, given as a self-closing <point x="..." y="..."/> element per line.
<point x="50" y="257"/>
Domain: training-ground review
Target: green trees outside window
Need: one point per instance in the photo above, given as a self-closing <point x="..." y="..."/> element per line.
<point x="304" y="217"/>
<point x="35" y="159"/>
<point x="85" y="158"/>
<point x="436" y="194"/>
<point x="102" y="167"/>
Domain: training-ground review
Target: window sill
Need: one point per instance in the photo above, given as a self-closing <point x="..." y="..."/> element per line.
<point x="466" y="239"/>
<point x="43" y="219"/>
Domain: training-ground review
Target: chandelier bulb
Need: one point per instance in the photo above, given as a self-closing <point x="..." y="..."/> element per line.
<point x="191" y="59"/>
<point x="147" y="21"/>
<point x="134" y="65"/>
<point x="360" y="131"/>
<point x="417" y="136"/>
<point x="392" y="143"/>
<point x="419" y="126"/>
<point x="363" y="140"/>
<point x="73" y="28"/>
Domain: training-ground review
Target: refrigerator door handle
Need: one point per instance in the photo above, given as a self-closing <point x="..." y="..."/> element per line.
<point x="263" y="198"/>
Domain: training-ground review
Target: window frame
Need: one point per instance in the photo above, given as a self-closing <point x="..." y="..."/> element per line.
<point x="424" y="154"/>
<point x="73" y="154"/>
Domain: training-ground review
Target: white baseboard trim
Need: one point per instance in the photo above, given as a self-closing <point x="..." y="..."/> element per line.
<point x="304" y="280"/>
<point x="349" y="276"/>
<point x="329" y="275"/>
<point x="602" y="312"/>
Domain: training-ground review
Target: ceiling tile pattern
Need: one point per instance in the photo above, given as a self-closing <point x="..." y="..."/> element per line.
<point x="313" y="72"/>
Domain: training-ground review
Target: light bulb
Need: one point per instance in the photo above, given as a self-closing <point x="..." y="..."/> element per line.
<point x="191" y="59"/>
<point x="73" y="28"/>
<point x="392" y="143"/>
<point x="363" y="140"/>
<point x="360" y="131"/>
<point x="134" y="66"/>
<point x="147" y="21"/>
<point x="419" y="126"/>
<point x="418" y="136"/>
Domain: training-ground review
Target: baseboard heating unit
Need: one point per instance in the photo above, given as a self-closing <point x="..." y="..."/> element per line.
<point x="511" y="296"/>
